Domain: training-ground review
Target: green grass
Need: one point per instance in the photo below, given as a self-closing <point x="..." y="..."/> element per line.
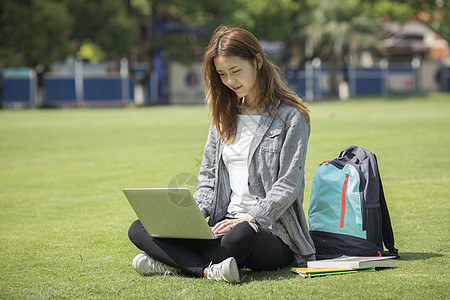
<point x="64" y="219"/>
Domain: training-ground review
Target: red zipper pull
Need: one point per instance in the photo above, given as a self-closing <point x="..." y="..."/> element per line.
<point x="344" y="194"/>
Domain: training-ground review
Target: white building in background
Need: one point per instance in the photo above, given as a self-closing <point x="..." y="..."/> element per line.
<point x="413" y="39"/>
<point x="417" y="44"/>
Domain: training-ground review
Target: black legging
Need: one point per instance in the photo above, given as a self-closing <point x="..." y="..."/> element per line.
<point x="257" y="250"/>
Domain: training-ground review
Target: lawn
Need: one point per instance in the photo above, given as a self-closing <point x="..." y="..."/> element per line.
<point x="64" y="219"/>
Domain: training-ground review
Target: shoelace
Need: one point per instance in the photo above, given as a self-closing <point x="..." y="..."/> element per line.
<point x="159" y="267"/>
<point x="170" y="273"/>
<point x="213" y="272"/>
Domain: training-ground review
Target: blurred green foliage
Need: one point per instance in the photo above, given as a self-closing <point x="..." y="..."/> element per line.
<point x="34" y="32"/>
<point x="40" y="32"/>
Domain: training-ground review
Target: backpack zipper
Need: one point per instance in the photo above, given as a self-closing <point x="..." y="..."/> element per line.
<point x="344" y="195"/>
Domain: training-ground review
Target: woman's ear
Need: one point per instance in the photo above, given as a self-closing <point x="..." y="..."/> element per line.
<point x="259" y="60"/>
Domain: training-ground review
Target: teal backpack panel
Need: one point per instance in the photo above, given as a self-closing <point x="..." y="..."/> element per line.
<point x="335" y="203"/>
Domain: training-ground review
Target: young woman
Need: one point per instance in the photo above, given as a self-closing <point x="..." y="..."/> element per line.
<point x="251" y="179"/>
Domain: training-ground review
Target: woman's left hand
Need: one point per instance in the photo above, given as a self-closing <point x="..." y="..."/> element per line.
<point x="227" y="224"/>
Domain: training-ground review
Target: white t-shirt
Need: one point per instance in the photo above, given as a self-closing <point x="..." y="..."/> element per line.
<point x="235" y="158"/>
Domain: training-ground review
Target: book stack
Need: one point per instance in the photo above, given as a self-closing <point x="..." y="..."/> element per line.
<point x="345" y="264"/>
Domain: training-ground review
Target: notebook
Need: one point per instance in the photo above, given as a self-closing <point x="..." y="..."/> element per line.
<point x="355" y="262"/>
<point x="168" y="213"/>
<point x="314" y="272"/>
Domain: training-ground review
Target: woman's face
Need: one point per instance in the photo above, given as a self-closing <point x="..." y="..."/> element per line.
<point x="239" y="75"/>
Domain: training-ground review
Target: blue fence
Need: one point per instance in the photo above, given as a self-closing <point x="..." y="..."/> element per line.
<point x="363" y="81"/>
<point x="17" y="90"/>
<point x="368" y="81"/>
<point x="109" y="90"/>
<point x="62" y="91"/>
<point x="444" y="78"/>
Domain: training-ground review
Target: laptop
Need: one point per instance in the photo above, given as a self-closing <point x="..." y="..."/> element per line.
<point x="169" y="213"/>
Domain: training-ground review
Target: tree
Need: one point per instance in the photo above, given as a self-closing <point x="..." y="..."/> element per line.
<point x="28" y="38"/>
<point x="338" y="32"/>
<point x="265" y="18"/>
<point x="434" y="13"/>
<point x="37" y="33"/>
<point x="173" y="29"/>
<point x="103" y="24"/>
<point x="182" y="28"/>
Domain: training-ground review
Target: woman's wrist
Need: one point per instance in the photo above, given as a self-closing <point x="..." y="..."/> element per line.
<point x="249" y="218"/>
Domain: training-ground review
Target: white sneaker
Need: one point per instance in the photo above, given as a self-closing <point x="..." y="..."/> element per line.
<point x="146" y="265"/>
<point x="226" y="270"/>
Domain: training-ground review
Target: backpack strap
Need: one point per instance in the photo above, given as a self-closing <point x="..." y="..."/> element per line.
<point x="356" y="151"/>
<point x="388" y="234"/>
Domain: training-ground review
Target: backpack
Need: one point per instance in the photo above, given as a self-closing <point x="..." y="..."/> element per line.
<point x="348" y="214"/>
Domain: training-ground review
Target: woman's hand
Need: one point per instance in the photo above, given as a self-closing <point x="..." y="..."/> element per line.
<point x="227" y="224"/>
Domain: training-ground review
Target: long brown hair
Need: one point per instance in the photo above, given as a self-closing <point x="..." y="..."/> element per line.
<point x="222" y="101"/>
